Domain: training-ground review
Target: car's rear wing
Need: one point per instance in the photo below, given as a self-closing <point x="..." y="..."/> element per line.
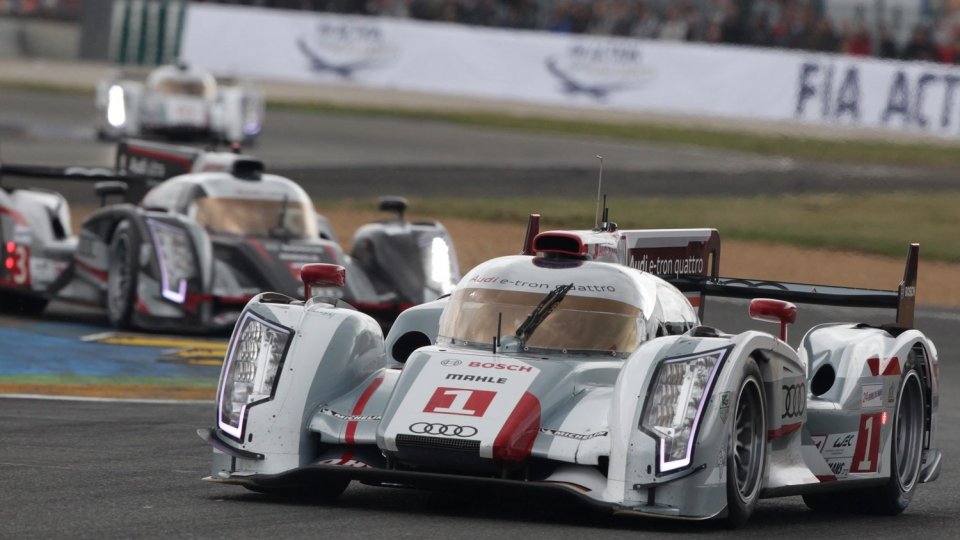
<point x="902" y="299"/>
<point x="689" y="259"/>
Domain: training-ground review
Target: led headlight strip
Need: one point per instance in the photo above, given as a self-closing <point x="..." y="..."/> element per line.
<point x="251" y="370"/>
<point x="174" y="257"/>
<point x="678" y="395"/>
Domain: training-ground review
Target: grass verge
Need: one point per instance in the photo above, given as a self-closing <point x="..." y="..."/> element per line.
<point x="881" y="224"/>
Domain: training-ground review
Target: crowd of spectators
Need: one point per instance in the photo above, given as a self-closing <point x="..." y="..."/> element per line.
<point x="795" y="24"/>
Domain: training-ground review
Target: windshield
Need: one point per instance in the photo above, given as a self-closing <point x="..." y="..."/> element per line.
<point x="577" y="324"/>
<point x="249" y="217"/>
<point x="183" y="87"/>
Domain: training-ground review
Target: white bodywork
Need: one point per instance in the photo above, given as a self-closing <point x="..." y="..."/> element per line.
<point x="178" y="102"/>
<point x="345" y="397"/>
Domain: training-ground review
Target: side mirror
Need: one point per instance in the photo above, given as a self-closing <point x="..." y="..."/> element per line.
<point x="321" y="275"/>
<point x="109" y="188"/>
<point x="778" y="311"/>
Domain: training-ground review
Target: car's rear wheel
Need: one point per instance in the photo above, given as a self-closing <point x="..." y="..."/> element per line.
<point x="748" y="447"/>
<point x="906" y="456"/>
<point x="122" y="275"/>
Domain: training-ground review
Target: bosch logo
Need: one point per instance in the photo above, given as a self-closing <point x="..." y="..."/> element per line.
<point x="794" y="400"/>
<point x="450" y="363"/>
<point x="444" y="430"/>
<point x="507" y="367"/>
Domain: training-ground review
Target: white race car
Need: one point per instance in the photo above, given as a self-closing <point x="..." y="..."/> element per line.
<point x="574" y="367"/>
<point x="178" y="102"/>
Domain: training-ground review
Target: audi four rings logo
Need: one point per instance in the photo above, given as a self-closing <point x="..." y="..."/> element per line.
<point x="794" y="400"/>
<point x="450" y="362"/>
<point x="445" y="430"/>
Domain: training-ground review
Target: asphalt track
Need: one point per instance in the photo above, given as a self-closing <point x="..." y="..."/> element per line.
<point x="94" y="469"/>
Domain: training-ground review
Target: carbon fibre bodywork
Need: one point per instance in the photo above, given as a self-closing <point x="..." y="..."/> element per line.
<point x="451" y="397"/>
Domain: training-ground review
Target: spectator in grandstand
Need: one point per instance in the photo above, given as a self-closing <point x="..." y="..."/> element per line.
<point x="822" y="38"/>
<point x="676" y="27"/>
<point x="646" y="24"/>
<point x="920" y="46"/>
<point x="857" y="40"/>
<point x="886" y="46"/>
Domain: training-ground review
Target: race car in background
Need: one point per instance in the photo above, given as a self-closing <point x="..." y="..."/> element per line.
<point x="178" y="102"/>
<point x="571" y="368"/>
<point x="199" y="245"/>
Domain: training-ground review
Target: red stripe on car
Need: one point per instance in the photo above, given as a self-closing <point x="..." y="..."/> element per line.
<point x="95" y="272"/>
<point x="515" y="440"/>
<point x="350" y="435"/>
<point x="783" y="430"/>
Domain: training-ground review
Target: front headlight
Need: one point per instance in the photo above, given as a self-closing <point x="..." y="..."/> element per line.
<point x="675" y="403"/>
<point x="250" y="370"/>
<point x="116" y="106"/>
<point x="175" y="258"/>
<point x="438" y="265"/>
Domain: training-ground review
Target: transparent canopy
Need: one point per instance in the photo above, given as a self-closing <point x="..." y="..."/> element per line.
<point x="578" y="324"/>
<point x="251" y="217"/>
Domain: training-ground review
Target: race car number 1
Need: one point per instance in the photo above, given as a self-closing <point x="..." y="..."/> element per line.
<point x="865" y="456"/>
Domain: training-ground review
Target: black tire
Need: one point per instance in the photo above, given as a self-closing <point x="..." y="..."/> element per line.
<point x="328" y="491"/>
<point x="747" y="453"/>
<point x="905" y="460"/>
<point x="122" y="272"/>
<point x="906" y="450"/>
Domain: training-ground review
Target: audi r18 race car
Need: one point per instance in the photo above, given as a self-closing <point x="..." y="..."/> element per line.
<point x="178" y="102"/>
<point x="199" y="245"/>
<point x="574" y="367"/>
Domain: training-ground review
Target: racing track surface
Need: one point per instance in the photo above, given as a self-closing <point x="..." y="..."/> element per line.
<point x="94" y="469"/>
<point x="105" y="469"/>
<point x="363" y="156"/>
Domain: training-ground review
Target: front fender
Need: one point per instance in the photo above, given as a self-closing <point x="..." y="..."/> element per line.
<point x="699" y="489"/>
<point x="332" y="352"/>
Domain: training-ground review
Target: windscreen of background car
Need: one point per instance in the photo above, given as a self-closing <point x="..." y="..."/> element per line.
<point x="579" y="324"/>
<point x="253" y="217"/>
<point x="184" y="87"/>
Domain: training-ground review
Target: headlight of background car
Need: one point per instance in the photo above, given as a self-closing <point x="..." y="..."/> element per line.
<point x="675" y="404"/>
<point x="437" y="265"/>
<point x="175" y="258"/>
<point x="116" y="106"/>
<point x="251" y="370"/>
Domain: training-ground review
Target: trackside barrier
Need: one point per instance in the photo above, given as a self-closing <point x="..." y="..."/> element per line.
<point x="743" y="83"/>
<point x="146" y="32"/>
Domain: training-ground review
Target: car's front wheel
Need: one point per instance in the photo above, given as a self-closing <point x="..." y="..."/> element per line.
<point x="747" y="452"/>
<point x="122" y="275"/>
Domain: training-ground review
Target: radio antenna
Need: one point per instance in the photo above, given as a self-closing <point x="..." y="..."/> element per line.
<point x="596" y="214"/>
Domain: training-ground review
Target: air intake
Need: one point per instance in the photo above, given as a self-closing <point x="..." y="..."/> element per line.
<point x="560" y="243"/>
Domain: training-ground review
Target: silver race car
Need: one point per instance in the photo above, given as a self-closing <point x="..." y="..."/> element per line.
<point x="178" y="102"/>
<point x="574" y="367"/>
<point x="201" y="244"/>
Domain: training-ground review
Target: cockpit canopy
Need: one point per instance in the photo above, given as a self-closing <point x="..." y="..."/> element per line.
<point x="182" y="81"/>
<point x="578" y="324"/>
<point x="271" y="206"/>
<point x="610" y="309"/>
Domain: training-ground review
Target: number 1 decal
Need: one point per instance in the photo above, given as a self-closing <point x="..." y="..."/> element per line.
<point x="462" y="401"/>
<point x="866" y="454"/>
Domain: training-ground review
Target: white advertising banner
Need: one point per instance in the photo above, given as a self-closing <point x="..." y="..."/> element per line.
<point x="585" y="71"/>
